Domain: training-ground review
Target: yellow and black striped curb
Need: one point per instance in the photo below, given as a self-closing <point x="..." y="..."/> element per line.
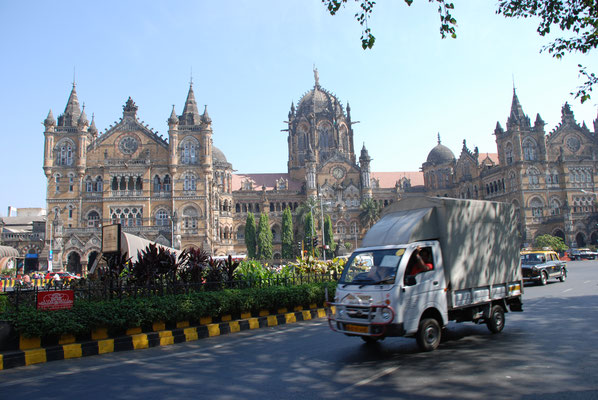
<point x="19" y="358"/>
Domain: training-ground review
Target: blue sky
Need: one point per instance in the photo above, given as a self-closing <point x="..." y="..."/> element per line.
<point x="251" y="59"/>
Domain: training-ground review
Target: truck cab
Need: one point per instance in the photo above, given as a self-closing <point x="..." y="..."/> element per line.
<point x="382" y="286"/>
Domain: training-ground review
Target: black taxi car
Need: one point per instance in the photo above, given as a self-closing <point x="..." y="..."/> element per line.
<point x="540" y="265"/>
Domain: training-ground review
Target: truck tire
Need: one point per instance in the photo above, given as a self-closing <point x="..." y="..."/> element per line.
<point x="543" y="278"/>
<point x="563" y="276"/>
<point x="496" y="321"/>
<point x="428" y="334"/>
<point x="369" y="339"/>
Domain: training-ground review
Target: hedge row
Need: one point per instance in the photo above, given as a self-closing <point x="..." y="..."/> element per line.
<point x="118" y="315"/>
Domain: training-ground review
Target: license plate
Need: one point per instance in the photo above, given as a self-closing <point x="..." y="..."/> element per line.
<point x="356" y="328"/>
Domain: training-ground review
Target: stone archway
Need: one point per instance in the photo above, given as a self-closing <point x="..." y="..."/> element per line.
<point x="580" y="239"/>
<point x="594" y="238"/>
<point x="91" y="258"/>
<point x="559" y="233"/>
<point x="73" y="263"/>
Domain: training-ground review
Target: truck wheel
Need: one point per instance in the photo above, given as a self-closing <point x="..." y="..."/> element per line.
<point x="428" y="334"/>
<point x="369" y="339"/>
<point x="563" y="276"/>
<point x="496" y="322"/>
<point x="543" y="278"/>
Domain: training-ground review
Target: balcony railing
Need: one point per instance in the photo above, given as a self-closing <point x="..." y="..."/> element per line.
<point x="24" y="237"/>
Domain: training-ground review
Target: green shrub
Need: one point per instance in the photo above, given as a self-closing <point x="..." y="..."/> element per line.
<point x="120" y="314"/>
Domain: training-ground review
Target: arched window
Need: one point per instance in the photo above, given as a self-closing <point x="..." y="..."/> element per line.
<point x="127" y="216"/>
<point x="57" y="182"/>
<point x="189" y="151"/>
<point x="341" y="228"/>
<point x="189" y="182"/>
<point x="114" y="183"/>
<point x="99" y="184"/>
<point x="555" y="206"/>
<point x="537" y="207"/>
<point x="190" y="217"/>
<point x="88" y="184"/>
<point x="509" y="153"/>
<point x="162" y="218"/>
<point x="157" y="184"/>
<point x="65" y="153"/>
<point x="166" y="183"/>
<point x="533" y="176"/>
<point x="529" y="150"/>
<point x="93" y="219"/>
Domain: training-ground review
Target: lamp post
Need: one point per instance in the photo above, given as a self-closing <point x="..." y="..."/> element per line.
<point x="323" y="230"/>
<point x="173" y="220"/>
<point x="311" y="210"/>
<point x="355" y="230"/>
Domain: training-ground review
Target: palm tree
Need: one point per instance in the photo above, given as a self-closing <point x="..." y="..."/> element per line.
<point x="370" y="212"/>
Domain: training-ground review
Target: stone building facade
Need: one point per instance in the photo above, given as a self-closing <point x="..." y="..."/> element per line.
<point x="549" y="178"/>
<point x="181" y="191"/>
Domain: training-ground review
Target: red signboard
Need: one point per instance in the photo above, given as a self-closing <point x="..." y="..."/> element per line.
<point x="55" y="300"/>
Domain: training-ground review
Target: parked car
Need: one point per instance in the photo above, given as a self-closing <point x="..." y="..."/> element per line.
<point x="540" y="265"/>
<point x="63" y="276"/>
<point x="582" y="254"/>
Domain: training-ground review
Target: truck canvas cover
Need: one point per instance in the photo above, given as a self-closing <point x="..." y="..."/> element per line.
<point x="478" y="239"/>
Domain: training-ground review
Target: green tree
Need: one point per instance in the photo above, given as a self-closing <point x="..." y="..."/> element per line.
<point x="308" y="232"/>
<point x="579" y="17"/>
<point x="370" y="212"/>
<point x="329" y="236"/>
<point x="553" y="242"/>
<point x="250" y="239"/>
<point x="264" y="238"/>
<point x="287" y="234"/>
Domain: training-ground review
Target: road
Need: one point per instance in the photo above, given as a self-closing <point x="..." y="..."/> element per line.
<point x="546" y="352"/>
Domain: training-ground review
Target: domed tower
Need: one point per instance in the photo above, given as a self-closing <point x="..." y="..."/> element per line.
<point x="438" y="170"/>
<point x="319" y="126"/>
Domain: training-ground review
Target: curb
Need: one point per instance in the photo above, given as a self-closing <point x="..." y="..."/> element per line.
<point x="20" y="358"/>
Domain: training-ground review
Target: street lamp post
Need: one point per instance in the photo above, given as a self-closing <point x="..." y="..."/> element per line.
<point x="173" y="220"/>
<point x="323" y="230"/>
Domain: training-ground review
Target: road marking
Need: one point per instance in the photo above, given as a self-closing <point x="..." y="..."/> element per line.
<point x="587" y="281"/>
<point x="567" y="290"/>
<point x="371" y="378"/>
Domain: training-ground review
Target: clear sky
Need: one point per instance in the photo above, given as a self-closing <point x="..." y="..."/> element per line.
<point x="251" y="59"/>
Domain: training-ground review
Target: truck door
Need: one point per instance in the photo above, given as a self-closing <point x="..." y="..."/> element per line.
<point x="422" y="285"/>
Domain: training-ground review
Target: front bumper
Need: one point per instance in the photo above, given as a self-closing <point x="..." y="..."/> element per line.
<point x="361" y="320"/>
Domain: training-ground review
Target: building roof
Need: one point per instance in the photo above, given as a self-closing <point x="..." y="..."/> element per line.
<point x="389" y="179"/>
<point x="264" y="180"/>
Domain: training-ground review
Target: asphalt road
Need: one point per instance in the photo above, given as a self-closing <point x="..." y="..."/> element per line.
<point x="547" y="352"/>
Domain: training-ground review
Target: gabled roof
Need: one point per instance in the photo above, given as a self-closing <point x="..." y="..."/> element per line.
<point x="264" y="180"/>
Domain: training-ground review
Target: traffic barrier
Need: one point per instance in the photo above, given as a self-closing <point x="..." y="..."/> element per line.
<point x="32" y="351"/>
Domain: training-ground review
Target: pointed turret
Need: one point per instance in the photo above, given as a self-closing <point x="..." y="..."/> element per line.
<point x="292" y="112"/>
<point x="82" y="122"/>
<point x="71" y="111"/>
<point x="348" y="112"/>
<point x="567" y="114"/>
<point x="365" y="156"/>
<point x="92" y="127"/>
<point x="364" y="165"/>
<point x="205" y="118"/>
<point x="498" y="130"/>
<point x="49" y="121"/>
<point x="596" y="126"/>
<point x="173" y="119"/>
<point x="517" y="116"/>
<point x="190" y="114"/>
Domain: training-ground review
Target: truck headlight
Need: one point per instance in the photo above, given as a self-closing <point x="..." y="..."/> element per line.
<point x="386" y="314"/>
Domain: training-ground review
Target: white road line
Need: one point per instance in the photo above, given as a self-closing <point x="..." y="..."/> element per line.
<point x="371" y="378"/>
<point x="567" y="290"/>
<point x="587" y="281"/>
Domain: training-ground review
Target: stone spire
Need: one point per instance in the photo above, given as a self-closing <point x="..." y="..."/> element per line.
<point x="205" y="118"/>
<point x="517" y="116"/>
<point x="71" y="111"/>
<point x="438" y="137"/>
<point x="82" y="122"/>
<point x="190" y="112"/>
<point x="567" y="114"/>
<point x="49" y="121"/>
<point x="173" y="119"/>
<point x="130" y="109"/>
<point x="92" y="127"/>
<point x="498" y="130"/>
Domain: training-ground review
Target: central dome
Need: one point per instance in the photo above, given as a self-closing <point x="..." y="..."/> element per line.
<point x="440" y="155"/>
<point x="218" y="155"/>
<point x="318" y="100"/>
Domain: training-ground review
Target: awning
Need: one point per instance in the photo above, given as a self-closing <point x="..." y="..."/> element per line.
<point x="7" y="251"/>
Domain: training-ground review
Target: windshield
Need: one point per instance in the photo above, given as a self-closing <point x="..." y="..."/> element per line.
<point x="531" y="259"/>
<point x="372" y="267"/>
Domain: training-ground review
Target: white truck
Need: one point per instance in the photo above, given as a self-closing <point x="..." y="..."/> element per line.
<point x="426" y="262"/>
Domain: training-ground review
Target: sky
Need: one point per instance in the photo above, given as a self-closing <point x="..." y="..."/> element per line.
<point x="249" y="60"/>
